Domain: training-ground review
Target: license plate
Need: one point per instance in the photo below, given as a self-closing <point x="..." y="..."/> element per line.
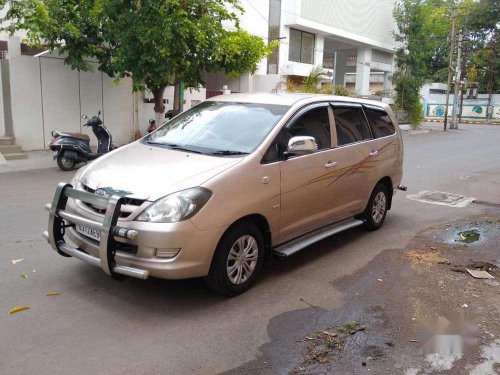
<point x="89" y="232"/>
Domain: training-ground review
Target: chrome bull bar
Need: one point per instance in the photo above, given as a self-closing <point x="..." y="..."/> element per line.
<point x="59" y="220"/>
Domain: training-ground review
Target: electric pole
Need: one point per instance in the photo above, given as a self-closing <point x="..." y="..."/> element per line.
<point x="450" y="63"/>
<point x="458" y="74"/>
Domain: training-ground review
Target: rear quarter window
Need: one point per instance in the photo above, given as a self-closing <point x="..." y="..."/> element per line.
<point x="380" y="122"/>
<point x="351" y="125"/>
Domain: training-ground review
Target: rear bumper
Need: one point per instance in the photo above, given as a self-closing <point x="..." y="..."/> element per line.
<point x="192" y="249"/>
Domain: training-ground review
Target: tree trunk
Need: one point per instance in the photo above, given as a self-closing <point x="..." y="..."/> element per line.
<point x="490" y="82"/>
<point x="177" y="97"/>
<point x="159" y="107"/>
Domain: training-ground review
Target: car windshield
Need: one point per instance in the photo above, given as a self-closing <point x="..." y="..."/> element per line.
<point x="219" y="128"/>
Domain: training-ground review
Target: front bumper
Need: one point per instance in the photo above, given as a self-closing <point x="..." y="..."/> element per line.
<point x="113" y="253"/>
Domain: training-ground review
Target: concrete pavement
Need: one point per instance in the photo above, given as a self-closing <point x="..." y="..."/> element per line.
<point x="101" y="326"/>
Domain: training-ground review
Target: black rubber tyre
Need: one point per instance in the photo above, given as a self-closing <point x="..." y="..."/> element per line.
<point x="64" y="163"/>
<point x="374" y="220"/>
<point x="218" y="278"/>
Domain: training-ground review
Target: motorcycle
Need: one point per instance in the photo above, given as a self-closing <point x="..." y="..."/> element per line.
<point x="74" y="148"/>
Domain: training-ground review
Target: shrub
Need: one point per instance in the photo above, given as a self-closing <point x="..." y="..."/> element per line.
<point x="407" y="90"/>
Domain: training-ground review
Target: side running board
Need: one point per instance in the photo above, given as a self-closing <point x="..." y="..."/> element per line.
<point x="298" y="244"/>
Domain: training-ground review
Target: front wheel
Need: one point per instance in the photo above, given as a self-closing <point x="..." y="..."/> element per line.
<point x="376" y="210"/>
<point x="64" y="162"/>
<point x="237" y="260"/>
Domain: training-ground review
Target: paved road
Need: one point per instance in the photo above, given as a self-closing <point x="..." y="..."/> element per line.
<point x="101" y="326"/>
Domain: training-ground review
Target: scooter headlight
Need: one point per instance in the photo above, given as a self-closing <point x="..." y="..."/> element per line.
<point x="177" y="206"/>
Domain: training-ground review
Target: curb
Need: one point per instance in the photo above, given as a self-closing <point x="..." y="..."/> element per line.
<point x="476" y="122"/>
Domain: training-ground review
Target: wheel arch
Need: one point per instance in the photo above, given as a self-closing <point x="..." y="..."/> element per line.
<point x="387" y="182"/>
<point x="262" y="223"/>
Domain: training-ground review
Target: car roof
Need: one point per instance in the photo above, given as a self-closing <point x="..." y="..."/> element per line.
<point x="289" y="99"/>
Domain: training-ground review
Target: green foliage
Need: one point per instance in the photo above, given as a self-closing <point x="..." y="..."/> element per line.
<point x="341" y="91"/>
<point x="407" y="90"/>
<point x="154" y="42"/>
<point x="480" y="21"/>
<point x="412" y="57"/>
<point x="424" y="33"/>
<point x="310" y="84"/>
<point x="383" y="93"/>
<point x="311" y="81"/>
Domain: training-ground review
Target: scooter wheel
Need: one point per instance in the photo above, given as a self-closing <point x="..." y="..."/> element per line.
<point x="65" y="163"/>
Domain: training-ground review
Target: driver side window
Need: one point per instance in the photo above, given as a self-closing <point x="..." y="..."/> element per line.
<point x="313" y="123"/>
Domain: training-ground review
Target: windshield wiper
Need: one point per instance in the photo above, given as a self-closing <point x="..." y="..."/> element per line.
<point x="228" y="152"/>
<point x="173" y="146"/>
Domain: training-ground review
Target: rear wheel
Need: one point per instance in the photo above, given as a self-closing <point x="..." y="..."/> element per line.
<point x="237" y="260"/>
<point x="64" y="162"/>
<point x="376" y="210"/>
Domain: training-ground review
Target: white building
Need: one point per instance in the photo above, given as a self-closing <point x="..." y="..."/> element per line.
<point x="351" y="38"/>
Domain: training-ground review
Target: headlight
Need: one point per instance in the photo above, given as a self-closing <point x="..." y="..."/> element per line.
<point x="177" y="206"/>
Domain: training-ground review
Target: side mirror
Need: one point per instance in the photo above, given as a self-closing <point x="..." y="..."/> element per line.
<point x="301" y="145"/>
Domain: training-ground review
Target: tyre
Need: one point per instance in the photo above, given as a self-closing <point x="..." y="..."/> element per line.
<point x="237" y="260"/>
<point x="376" y="210"/>
<point x="65" y="163"/>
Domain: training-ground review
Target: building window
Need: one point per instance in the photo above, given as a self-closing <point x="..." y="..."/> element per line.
<point x="301" y="47"/>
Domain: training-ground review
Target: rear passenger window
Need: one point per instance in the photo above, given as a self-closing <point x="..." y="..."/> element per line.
<point x="351" y="125"/>
<point x="380" y="122"/>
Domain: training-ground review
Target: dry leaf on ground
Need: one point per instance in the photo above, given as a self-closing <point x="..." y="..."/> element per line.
<point x="17" y="309"/>
<point x="15" y="261"/>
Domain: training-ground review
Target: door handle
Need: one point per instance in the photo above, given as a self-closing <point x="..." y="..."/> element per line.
<point x="330" y="164"/>
<point x="374" y="153"/>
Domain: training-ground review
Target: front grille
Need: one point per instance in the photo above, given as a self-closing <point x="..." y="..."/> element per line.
<point x="129" y="205"/>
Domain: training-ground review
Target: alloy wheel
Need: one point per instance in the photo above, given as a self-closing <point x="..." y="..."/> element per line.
<point x="242" y="259"/>
<point x="379" y="207"/>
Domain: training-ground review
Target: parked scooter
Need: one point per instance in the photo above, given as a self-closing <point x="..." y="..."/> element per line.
<point x="152" y="126"/>
<point x="74" y="148"/>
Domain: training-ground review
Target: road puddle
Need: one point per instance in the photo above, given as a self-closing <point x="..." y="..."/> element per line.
<point x="469" y="235"/>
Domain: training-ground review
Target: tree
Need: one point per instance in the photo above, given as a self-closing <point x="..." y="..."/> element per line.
<point x="483" y="30"/>
<point x="423" y="28"/>
<point x="155" y="42"/>
<point x="411" y="58"/>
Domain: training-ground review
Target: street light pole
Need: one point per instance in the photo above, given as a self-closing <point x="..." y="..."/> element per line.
<point x="334" y="73"/>
<point x="454" y="121"/>
<point x="450" y="63"/>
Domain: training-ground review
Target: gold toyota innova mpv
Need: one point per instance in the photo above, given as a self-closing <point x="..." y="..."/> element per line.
<point x="227" y="184"/>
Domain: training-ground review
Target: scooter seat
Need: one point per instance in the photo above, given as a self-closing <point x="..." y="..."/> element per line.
<point x="82" y="136"/>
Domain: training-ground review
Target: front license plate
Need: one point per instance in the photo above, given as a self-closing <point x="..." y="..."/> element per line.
<point x="89" y="232"/>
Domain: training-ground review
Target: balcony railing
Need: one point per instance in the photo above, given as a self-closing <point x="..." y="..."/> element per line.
<point x="374" y="78"/>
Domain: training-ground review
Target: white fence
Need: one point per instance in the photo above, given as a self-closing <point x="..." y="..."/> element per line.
<point x="46" y="95"/>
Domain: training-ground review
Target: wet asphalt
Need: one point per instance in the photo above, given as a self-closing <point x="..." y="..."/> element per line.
<point x="102" y="326"/>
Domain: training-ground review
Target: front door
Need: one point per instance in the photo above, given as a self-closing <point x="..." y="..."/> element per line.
<point x="305" y="179"/>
